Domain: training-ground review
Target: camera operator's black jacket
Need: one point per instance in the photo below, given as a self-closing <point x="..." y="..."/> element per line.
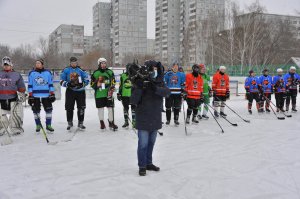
<point x="149" y="102"/>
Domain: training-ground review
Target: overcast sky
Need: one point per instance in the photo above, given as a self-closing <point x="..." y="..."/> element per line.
<point x="24" y="21"/>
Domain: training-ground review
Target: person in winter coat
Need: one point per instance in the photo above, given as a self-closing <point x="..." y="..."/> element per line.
<point x="147" y="96"/>
<point x="124" y="96"/>
<point x="175" y="81"/>
<point x="194" y="93"/>
<point x="279" y="89"/>
<point x="220" y="87"/>
<point x="12" y="94"/>
<point x="41" y="90"/>
<point x="207" y="93"/>
<point x="252" y="87"/>
<point x="75" y="80"/>
<point x="291" y="80"/>
<point x="265" y="91"/>
<point x="103" y="81"/>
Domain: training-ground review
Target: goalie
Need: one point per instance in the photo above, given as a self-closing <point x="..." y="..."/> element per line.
<point x="12" y="94"/>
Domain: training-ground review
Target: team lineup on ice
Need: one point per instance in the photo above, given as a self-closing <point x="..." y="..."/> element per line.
<point x="212" y="144"/>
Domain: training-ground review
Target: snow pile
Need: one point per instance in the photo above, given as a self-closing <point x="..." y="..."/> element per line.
<point x="259" y="160"/>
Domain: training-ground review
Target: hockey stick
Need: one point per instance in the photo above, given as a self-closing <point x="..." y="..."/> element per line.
<point x="184" y="117"/>
<point x="216" y="120"/>
<point x="277" y="107"/>
<point x="233" y="124"/>
<point x="44" y="132"/>
<point x="248" y="121"/>
<point x="131" y="123"/>
<point x="280" y="118"/>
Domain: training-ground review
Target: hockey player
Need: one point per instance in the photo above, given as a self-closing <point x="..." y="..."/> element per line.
<point x="266" y="90"/>
<point x="207" y="93"/>
<point x="75" y="80"/>
<point x="124" y="96"/>
<point x="175" y="81"/>
<point x="148" y="98"/>
<point x="220" y="87"/>
<point x="252" y="86"/>
<point x="12" y="94"/>
<point x="291" y="80"/>
<point x="279" y="89"/>
<point x="194" y="91"/>
<point x="41" y="90"/>
<point x="103" y="82"/>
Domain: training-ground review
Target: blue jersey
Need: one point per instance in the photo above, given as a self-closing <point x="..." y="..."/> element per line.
<point x="40" y="83"/>
<point x="175" y="81"/>
<point x="252" y="84"/>
<point x="266" y="83"/>
<point x="75" y="75"/>
<point x="291" y="81"/>
<point x="279" y="84"/>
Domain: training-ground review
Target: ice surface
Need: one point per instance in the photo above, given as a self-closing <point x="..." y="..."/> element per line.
<point x="260" y="160"/>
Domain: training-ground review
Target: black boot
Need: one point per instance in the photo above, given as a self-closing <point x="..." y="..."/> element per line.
<point x="195" y="119"/>
<point x="70" y="125"/>
<point x="205" y="117"/>
<point x="152" y="167"/>
<point x="223" y="114"/>
<point x="112" y="126"/>
<point x="81" y="126"/>
<point x="102" y="124"/>
<point x="216" y="113"/>
<point x="250" y="111"/>
<point x="142" y="171"/>
<point x="187" y="121"/>
<point x="176" y="122"/>
<point x="167" y="122"/>
<point x="126" y="124"/>
<point x="294" y="109"/>
<point x="199" y="117"/>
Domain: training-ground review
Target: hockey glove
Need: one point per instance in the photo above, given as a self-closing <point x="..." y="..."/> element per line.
<point x="210" y="93"/>
<point x="227" y="94"/>
<point x="30" y="100"/>
<point x="119" y="97"/>
<point x="52" y="97"/>
<point x="201" y="99"/>
<point x="21" y="97"/>
<point x="184" y="95"/>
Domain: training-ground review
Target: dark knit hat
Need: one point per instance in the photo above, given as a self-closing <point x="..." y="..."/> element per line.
<point x="40" y="60"/>
<point x="73" y="59"/>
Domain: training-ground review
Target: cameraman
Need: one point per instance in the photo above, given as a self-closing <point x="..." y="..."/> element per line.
<point x="147" y="95"/>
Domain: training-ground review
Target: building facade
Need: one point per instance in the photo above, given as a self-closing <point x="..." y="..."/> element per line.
<point x="88" y="44"/>
<point x="150" y="46"/>
<point x="167" y="34"/>
<point x="183" y="28"/>
<point x="68" y="39"/>
<point x="102" y="13"/>
<point x="129" y="30"/>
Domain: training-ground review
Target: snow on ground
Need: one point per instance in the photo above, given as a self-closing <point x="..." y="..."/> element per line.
<point x="259" y="160"/>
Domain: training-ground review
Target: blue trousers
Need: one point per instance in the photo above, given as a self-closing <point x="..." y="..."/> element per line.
<point x="145" y="147"/>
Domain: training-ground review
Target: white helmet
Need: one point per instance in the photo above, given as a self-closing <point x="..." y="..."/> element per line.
<point x="101" y="59"/>
<point x="6" y="60"/>
<point x="279" y="70"/>
<point x="222" y="68"/>
<point x="292" y="68"/>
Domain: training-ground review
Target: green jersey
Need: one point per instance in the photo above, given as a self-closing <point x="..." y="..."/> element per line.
<point x="102" y="82"/>
<point x="206" y="87"/>
<point x="125" y="85"/>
